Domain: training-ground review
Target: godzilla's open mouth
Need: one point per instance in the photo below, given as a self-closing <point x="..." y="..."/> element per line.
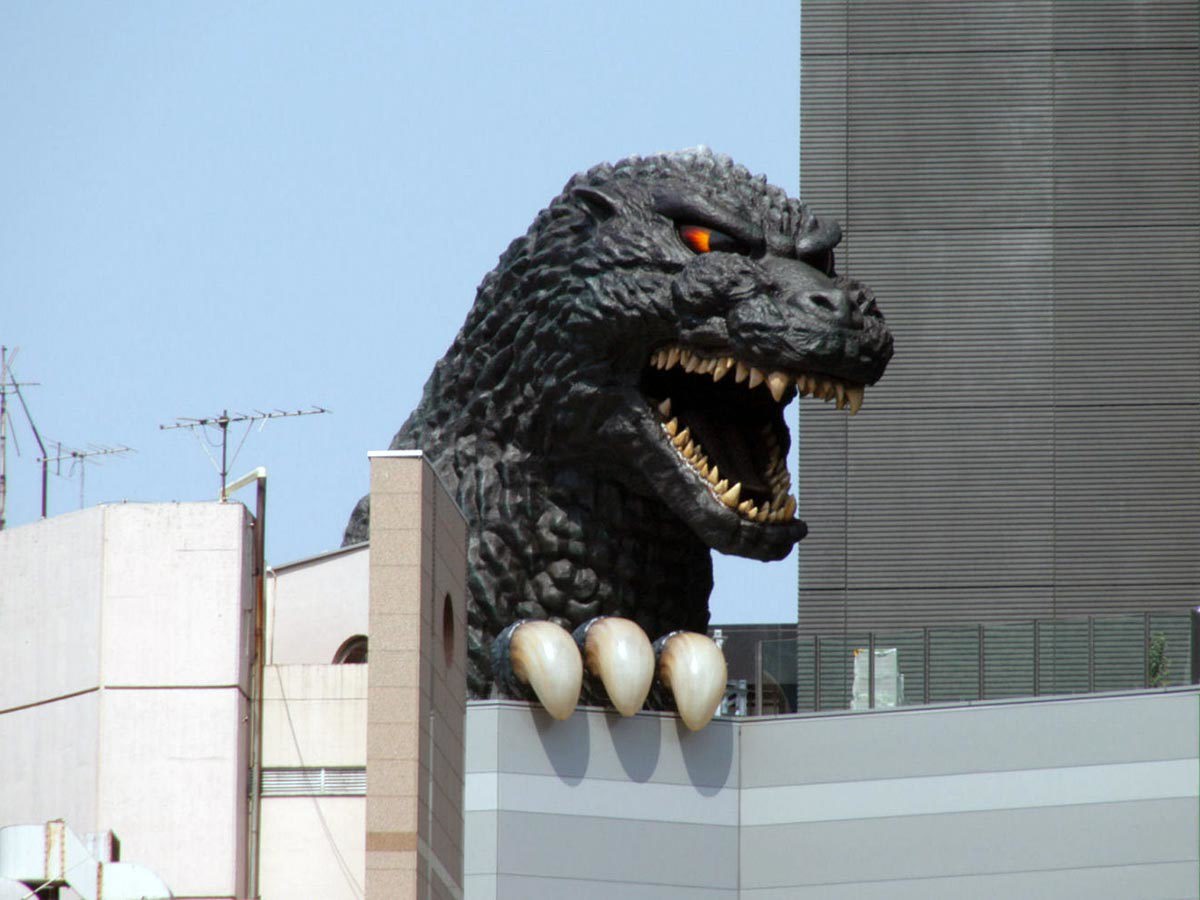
<point x="730" y="432"/>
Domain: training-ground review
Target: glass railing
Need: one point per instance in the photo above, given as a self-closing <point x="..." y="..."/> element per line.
<point x="886" y="668"/>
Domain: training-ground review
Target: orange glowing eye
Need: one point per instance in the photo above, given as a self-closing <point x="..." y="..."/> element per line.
<point x="708" y="240"/>
<point x="699" y="239"/>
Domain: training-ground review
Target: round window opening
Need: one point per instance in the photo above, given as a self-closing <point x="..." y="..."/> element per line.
<point x="353" y="650"/>
<point x="448" y="629"/>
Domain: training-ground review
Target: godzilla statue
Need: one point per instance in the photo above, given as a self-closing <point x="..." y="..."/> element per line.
<point x="612" y="409"/>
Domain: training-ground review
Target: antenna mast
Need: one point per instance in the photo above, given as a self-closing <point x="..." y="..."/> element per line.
<point x="222" y="423"/>
<point x="15" y="387"/>
<point x="82" y="457"/>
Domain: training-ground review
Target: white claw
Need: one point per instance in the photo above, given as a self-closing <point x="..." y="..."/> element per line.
<point x="544" y="656"/>
<point x="618" y="652"/>
<point x="693" y="668"/>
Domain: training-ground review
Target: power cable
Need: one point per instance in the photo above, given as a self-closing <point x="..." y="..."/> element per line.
<point x="341" y="860"/>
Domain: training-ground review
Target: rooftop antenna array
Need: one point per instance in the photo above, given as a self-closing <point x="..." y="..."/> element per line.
<point x="10" y="385"/>
<point x="79" y="458"/>
<point x="222" y="422"/>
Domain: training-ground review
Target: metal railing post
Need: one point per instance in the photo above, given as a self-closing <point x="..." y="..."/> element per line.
<point x="1091" y="654"/>
<point x="870" y="670"/>
<point x="1194" y="644"/>
<point x="1037" y="657"/>
<point x="1146" y="647"/>
<point x="982" y="666"/>
<point x="928" y="668"/>
<point x="816" y="673"/>
<point x="758" y="684"/>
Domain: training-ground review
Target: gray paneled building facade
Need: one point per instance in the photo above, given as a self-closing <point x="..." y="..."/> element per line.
<point x="1020" y="184"/>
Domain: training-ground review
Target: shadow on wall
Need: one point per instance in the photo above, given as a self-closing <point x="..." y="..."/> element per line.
<point x="638" y="744"/>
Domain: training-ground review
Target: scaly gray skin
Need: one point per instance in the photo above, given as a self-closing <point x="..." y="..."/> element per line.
<point x="542" y="418"/>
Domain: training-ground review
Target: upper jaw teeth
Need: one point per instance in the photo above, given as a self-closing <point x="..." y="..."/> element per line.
<point x="821" y="387"/>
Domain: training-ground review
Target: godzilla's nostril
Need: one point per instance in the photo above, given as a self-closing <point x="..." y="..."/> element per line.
<point x="865" y="301"/>
<point x="835" y="305"/>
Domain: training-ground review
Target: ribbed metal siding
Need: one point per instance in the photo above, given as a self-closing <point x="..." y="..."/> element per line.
<point x="1020" y="184"/>
<point x="344" y="781"/>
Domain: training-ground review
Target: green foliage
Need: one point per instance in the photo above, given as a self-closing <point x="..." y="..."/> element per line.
<point x="1160" y="663"/>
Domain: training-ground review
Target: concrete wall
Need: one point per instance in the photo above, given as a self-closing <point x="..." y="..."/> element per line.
<point x="1093" y="797"/>
<point x="124" y="647"/>
<point x="599" y="806"/>
<point x="417" y="695"/>
<point x="314" y="605"/>
<point x="313" y="845"/>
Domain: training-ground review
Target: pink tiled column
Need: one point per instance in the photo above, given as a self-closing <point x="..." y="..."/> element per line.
<point x="416" y="701"/>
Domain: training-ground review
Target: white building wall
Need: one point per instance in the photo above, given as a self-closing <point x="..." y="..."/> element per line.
<point x="314" y="605"/>
<point x="50" y="608"/>
<point x="125" y="633"/>
<point x="314" y="717"/>
<point x="313" y="847"/>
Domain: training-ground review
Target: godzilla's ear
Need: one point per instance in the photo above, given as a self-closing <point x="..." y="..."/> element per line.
<point x="600" y="205"/>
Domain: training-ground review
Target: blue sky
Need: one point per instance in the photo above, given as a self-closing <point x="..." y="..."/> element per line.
<point x="268" y="205"/>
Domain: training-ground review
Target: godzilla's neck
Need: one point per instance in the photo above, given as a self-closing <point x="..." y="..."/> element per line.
<point x="648" y="564"/>
<point x="563" y="544"/>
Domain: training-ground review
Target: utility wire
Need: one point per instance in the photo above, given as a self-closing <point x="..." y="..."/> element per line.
<point x="341" y="860"/>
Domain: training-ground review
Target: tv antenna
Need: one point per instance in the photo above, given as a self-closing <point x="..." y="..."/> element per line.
<point x="221" y="423"/>
<point x="13" y="387"/>
<point x="80" y="458"/>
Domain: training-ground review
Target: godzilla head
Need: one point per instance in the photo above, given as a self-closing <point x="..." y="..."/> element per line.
<point x="682" y="305"/>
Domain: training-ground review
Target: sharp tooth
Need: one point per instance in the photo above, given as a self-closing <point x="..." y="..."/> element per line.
<point x="756" y="377"/>
<point x="720" y="369"/>
<point x="730" y="497"/>
<point x="689" y="449"/>
<point x="682" y="438"/>
<point x="691" y="365"/>
<point x="709" y="365"/>
<point x="789" y="507"/>
<point x="855" y="393"/>
<point x="840" y="390"/>
<point x="702" y="467"/>
<point x="723" y="485"/>
<point x="618" y="653"/>
<point x="673" y="357"/>
<point x="665" y="408"/>
<point x="777" y="382"/>
<point x="545" y="657"/>
<point x="742" y="373"/>
<point x="714" y="475"/>
<point x="745" y="506"/>
<point x="763" y="513"/>
<point x="672" y="427"/>
<point x="692" y="668"/>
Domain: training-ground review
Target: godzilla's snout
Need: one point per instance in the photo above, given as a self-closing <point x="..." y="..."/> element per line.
<point x="815" y="323"/>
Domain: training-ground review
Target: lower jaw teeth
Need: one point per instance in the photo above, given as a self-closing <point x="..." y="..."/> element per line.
<point x="779" y="509"/>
